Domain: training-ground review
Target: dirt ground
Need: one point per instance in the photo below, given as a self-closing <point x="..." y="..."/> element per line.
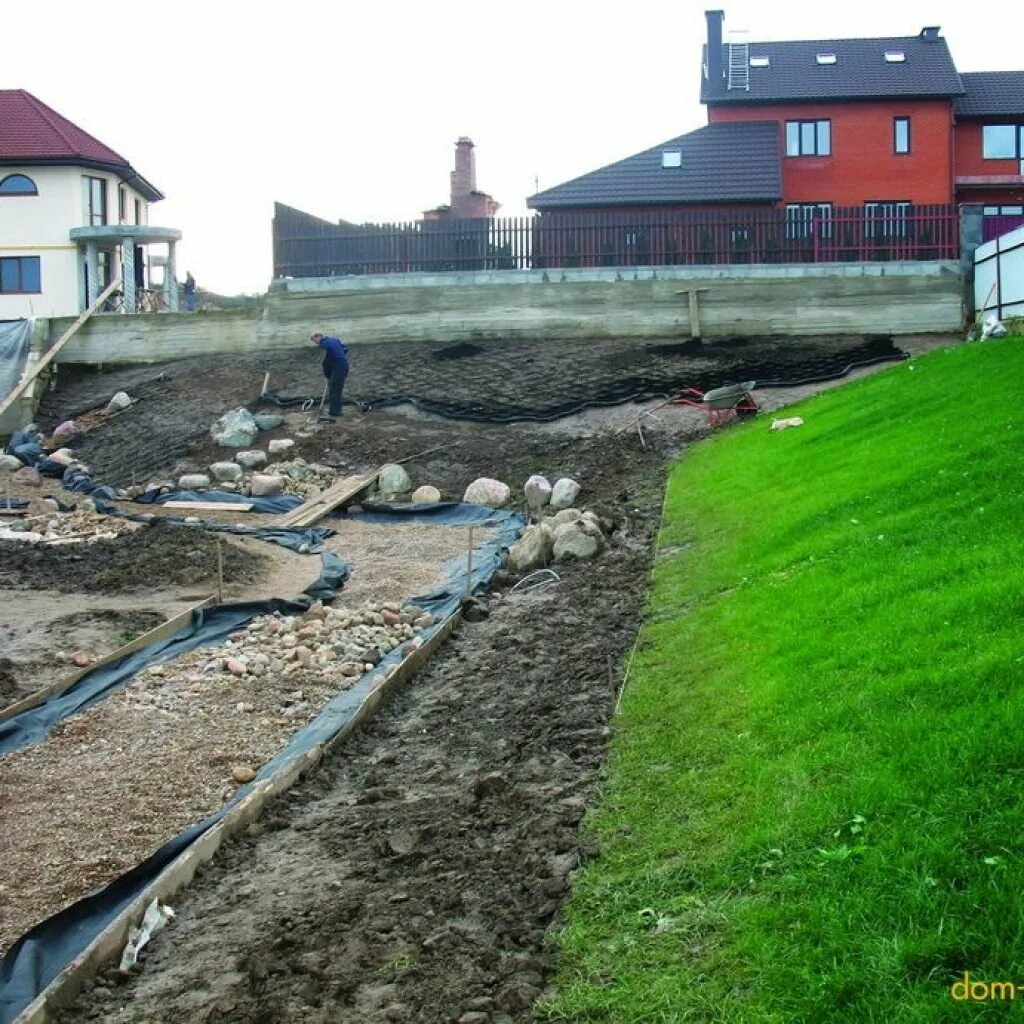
<point x="415" y="876"/>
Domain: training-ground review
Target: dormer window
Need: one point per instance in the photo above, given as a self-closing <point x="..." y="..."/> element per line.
<point x="672" y="158"/>
<point x="826" y="58"/>
<point x="18" y="185"/>
<point x="759" y="62"/>
<point x="895" y="56"/>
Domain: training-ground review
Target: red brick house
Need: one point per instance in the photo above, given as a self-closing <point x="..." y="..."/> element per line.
<point x="862" y="147"/>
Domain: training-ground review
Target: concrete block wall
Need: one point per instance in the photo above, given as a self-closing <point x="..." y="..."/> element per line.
<point x="532" y="306"/>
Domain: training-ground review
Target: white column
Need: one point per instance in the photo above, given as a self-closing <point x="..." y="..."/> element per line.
<point x="171" y="280"/>
<point x="128" y="274"/>
<point x="92" y="270"/>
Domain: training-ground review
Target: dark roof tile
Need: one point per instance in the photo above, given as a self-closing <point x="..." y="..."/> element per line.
<point x="860" y="71"/>
<point x="721" y="163"/>
<point x="992" y="94"/>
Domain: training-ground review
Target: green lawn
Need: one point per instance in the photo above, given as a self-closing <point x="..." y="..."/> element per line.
<point x="814" y="808"/>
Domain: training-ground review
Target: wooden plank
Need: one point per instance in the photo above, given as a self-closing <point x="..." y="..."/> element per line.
<point x="107" y="946"/>
<point x="210" y="506"/>
<point x="51" y="354"/>
<point x="340" y="493"/>
<point x="161" y="632"/>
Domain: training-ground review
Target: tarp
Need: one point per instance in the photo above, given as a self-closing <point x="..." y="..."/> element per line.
<point x="15" y="340"/>
<point x="42" y="953"/>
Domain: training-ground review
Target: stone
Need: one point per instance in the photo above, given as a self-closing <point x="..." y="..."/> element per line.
<point x="349" y="669"/>
<point x="426" y="495"/>
<point x="65" y="456"/>
<point x="226" y="472"/>
<point x="27" y="476"/>
<point x="10" y="463"/>
<point x="194" y="482"/>
<point x="242" y="774"/>
<point x="424" y="620"/>
<point x="252" y="459"/>
<point x="235" y="429"/>
<point x="488" y="492"/>
<point x="66" y="430"/>
<point x="564" y="493"/>
<point x="120" y="401"/>
<point x="538" y="492"/>
<point x="533" y="550"/>
<point x="566" y="515"/>
<point x="268" y="420"/>
<point x="80" y="658"/>
<point x="489" y="785"/>
<point x="263" y="485"/>
<point x="475" y="1017"/>
<point x="390" y="618"/>
<point x="394" y="479"/>
<point x="280" y="444"/>
<point x="236" y="666"/>
<point x="575" y="544"/>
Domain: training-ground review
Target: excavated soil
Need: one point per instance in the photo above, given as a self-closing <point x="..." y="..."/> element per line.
<point x="152" y="557"/>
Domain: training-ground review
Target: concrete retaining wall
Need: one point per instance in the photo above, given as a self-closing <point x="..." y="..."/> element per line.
<point x="898" y="298"/>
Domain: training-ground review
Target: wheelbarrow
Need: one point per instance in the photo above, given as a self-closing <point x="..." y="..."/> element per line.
<point x="721" y="405"/>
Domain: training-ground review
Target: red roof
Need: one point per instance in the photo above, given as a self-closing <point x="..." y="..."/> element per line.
<point x="30" y="130"/>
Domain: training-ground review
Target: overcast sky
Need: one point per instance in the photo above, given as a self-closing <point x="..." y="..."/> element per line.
<point x="351" y="109"/>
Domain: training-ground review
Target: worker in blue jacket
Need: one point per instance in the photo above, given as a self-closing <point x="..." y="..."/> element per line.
<point x="335" y="368"/>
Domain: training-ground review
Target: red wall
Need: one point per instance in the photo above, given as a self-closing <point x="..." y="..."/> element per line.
<point x="862" y="166"/>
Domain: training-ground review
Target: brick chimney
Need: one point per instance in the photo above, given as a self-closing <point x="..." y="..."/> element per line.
<point x="464" y="175"/>
<point x="714" y="47"/>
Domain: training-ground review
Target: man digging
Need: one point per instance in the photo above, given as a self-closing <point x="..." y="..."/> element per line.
<point x="335" y="370"/>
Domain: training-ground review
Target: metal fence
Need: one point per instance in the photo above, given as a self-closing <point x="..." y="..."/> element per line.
<point x="307" y="247"/>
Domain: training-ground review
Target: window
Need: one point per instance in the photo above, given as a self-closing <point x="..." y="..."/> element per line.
<point x="826" y="58"/>
<point x="760" y="62"/>
<point x="94" y="200"/>
<point x="886" y="218"/>
<point x="19" y="274"/>
<point x="122" y="204"/>
<point x="901" y="135"/>
<point x="1003" y="211"/>
<point x="1002" y="142"/>
<point x="895" y="56"/>
<point x="18" y="185"/>
<point x="672" y="158"/>
<point x="138" y="211"/>
<point x="801" y="219"/>
<point x="808" y="138"/>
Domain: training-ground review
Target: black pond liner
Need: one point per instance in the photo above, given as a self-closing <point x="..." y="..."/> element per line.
<point x="44" y="951"/>
<point x="461" y="351"/>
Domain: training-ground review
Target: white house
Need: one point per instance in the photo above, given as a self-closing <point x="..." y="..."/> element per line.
<point x="73" y="216"/>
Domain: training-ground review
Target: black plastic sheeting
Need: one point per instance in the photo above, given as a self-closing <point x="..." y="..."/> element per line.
<point x="641" y="387"/>
<point x="42" y="953"/>
<point x="13" y="503"/>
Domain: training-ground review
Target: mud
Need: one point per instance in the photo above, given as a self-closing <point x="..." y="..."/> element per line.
<point x="156" y="556"/>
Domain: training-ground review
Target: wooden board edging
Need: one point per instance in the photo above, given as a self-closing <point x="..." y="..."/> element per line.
<point x="107" y="946"/>
<point x="173" y="625"/>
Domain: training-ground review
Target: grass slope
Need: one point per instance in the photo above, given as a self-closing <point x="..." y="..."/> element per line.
<point x="814" y="810"/>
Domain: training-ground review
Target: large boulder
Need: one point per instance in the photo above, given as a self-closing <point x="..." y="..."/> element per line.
<point x="226" y="472"/>
<point x="194" y="482"/>
<point x="67" y="430"/>
<point x="10" y="463"/>
<point x="567" y="515"/>
<point x="485" y="491"/>
<point x="65" y="456"/>
<point x="268" y="420"/>
<point x="253" y="459"/>
<point x="235" y="429"/>
<point x="27" y="476"/>
<point x="532" y="551"/>
<point x="394" y="479"/>
<point x="120" y="401"/>
<point x="572" y="543"/>
<point x="564" y="493"/>
<point x="265" y="485"/>
<point x="426" y="495"/>
<point x="538" y="492"/>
